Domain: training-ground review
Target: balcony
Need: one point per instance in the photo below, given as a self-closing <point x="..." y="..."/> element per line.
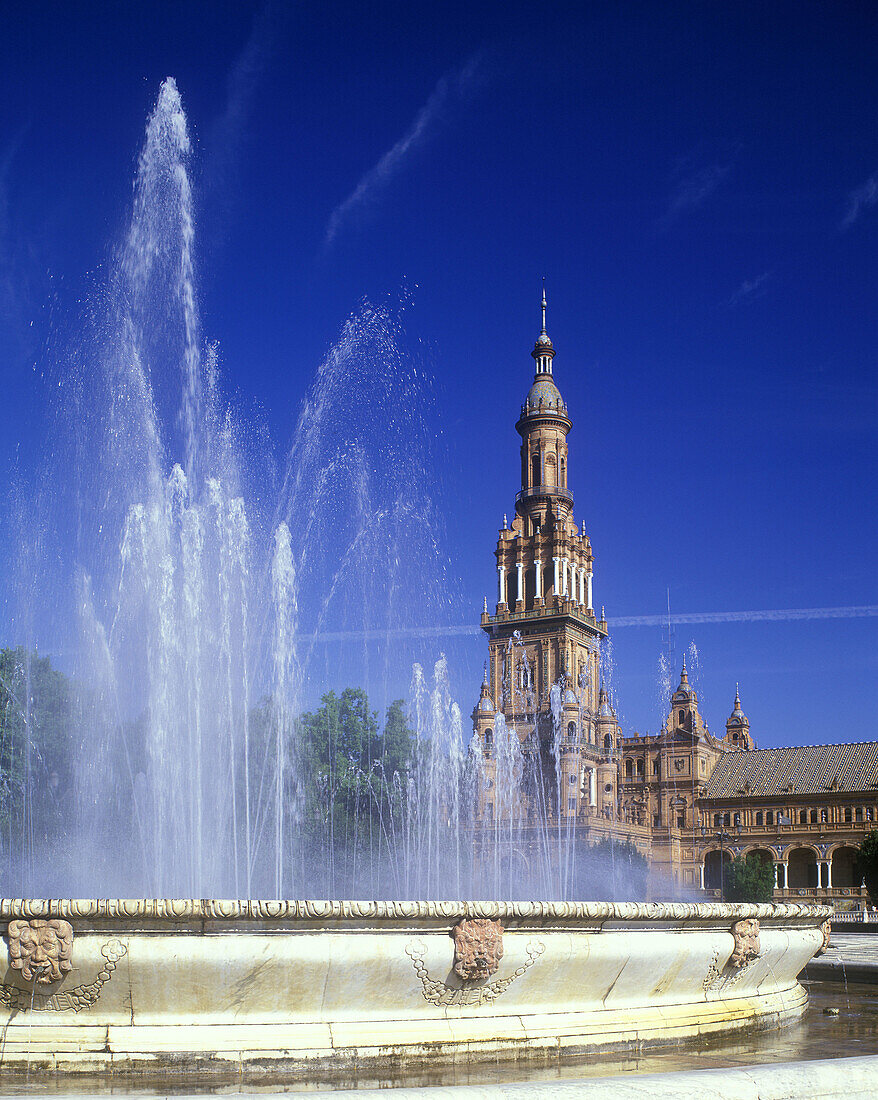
<point x="543" y="491"/>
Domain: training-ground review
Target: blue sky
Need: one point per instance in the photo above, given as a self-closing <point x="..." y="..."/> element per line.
<point x="697" y="182"/>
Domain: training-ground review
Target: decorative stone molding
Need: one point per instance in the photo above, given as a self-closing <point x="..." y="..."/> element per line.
<point x="746" y="933"/>
<point x="826" y="930"/>
<point x="746" y="950"/>
<point x="469" y="995"/>
<point x="16" y="999"/>
<point x="40" y="949"/>
<point x="478" y="947"/>
<point x="195" y="910"/>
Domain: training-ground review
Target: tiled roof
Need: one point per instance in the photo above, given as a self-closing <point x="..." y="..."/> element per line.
<point x="809" y="769"/>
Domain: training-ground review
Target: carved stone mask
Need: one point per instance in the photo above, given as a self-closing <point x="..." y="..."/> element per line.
<point x="40" y="949"/>
<point x="478" y="948"/>
<point x="746" y="933"/>
<point x="826" y="929"/>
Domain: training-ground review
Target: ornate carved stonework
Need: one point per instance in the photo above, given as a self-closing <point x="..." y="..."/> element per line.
<point x="438" y="992"/>
<point x="826" y="929"/>
<point x="40" y="949"/>
<point x="746" y="933"/>
<point x="478" y="948"/>
<point x="65" y="1000"/>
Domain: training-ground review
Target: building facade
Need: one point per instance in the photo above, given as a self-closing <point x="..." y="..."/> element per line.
<point x="688" y="799"/>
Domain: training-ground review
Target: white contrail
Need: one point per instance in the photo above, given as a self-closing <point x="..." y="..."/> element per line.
<point x="371" y="184"/>
<point x="785" y="615"/>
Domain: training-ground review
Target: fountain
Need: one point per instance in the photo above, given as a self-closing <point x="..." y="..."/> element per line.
<point x="198" y="607"/>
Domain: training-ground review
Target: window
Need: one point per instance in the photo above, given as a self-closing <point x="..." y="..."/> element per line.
<point x="727" y="819"/>
<point x="868" y="813"/>
<point x="759" y="817"/>
<point x="489" y="810"/>
<point x="717" y="820"/>
<point x="813" y="817"/>
<point x="848" y="815"/>
<point x="535" y="470"/>
<point x="737" y="820"/>
<point x="571" y="731"/>
<point x="803" y="817"/>
<point x="656" y="821"/>
<point x="571" y="803"/>
<point x="608" y="743"/>
<point x="656" y="766"/>
<point x="682" y="716"/>
<point x="859" y="813"/>
<point x="629" y="768"/>
<point x="681" y="820"/>
<point x="640" y="766"/>
<point x="572" y="780"/>
<point x="489" y="737"/>
<point x="769" y="817"/>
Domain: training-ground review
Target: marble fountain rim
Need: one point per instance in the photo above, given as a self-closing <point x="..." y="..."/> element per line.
<point x="309" y="910"/>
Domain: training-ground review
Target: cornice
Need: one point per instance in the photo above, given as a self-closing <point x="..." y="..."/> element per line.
<point x="174" y="911"/>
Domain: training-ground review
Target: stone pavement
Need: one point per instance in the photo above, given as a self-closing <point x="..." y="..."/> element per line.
<point x="851" y="956"/>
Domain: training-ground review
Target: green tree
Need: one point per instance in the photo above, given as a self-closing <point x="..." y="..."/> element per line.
<point x="749" y="878"/>
<point x="612" y="870"/>
<point x="36" y="705"/>
<point x="868" y="863"/>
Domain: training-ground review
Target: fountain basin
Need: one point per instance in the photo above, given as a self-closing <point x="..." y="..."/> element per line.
<point x="326" y="988"/>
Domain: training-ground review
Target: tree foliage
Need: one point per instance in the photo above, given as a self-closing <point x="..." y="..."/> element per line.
<point x="868" y="863"/>
<point x="350" y="768"/>
<point x="36" y="707"/>
<point x="749" y="878"/>
<point x="613" y="870"/>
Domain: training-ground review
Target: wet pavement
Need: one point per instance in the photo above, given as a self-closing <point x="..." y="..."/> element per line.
<point x="851" y="957"/>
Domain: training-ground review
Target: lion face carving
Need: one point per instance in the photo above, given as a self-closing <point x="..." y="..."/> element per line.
<point x="746" y="933"/>
<point x="478" y="947"/>
<point x="40" y="949"/>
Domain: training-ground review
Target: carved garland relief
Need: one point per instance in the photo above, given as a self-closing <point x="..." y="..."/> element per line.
<point x="42" y="951"/>
<point x="745" y="951"/>
<point x="478" y="949"/>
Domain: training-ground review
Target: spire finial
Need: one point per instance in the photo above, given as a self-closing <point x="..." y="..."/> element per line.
<point x="485" y="679"/>
<point x="543" y="330"/>
<point x="485" y="608"/>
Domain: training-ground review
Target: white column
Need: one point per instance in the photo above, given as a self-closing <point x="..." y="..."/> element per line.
<point x="557" y="582"/>
<point x="520" y="587"/>
<point x="701" y="870"/>
<point x="582" y="586"/>
<point x="786" y="874"/>
<point x="538" y="579"/>
<point x="776" y="883"/>
<point x="501" y="578"/>
<point x="593" y="786"/>
<point x="588" y="579"/>
<point x="828" y="883"/>
<point x="563" y="576"/>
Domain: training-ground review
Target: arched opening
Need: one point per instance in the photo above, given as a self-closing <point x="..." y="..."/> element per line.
<point x="562" y="480"/>
<point x="803" y="869"/>
<point x="761" y="855"/>
<point x="489" y="737"/>
<point x="608" y="743"/>
<point x="716" y="866"/>
<point x="629" y="768"/>
<point x="813" y="817"/>
<point x="803" y="817"/>
<point x="759" y="817"/>
<point x="640" y="767"/>
<point x="551" y="478"/>
<point x="571" y="731"/>
<point x="845" y="867"/>
<point x="535" y="468"/>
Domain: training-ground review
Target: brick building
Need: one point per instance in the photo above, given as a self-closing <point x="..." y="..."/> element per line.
<point x="689" y="799"/>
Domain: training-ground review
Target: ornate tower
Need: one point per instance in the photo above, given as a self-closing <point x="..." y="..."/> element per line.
<point x="738" y="727"/>
<point x="544" y="636"/>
